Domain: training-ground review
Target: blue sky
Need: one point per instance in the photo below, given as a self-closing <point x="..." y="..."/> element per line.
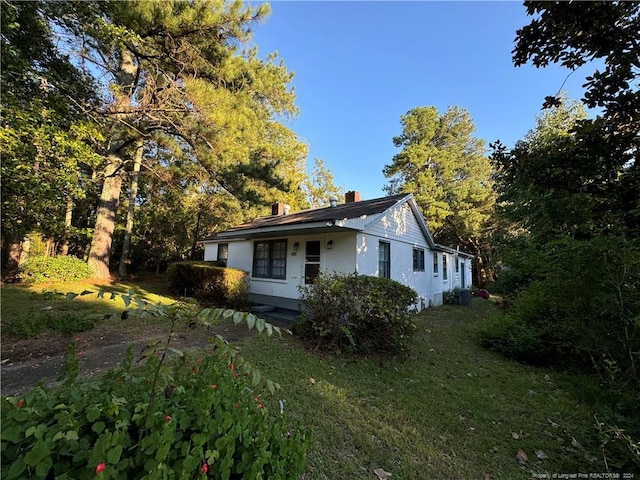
<point x="360" y="65"/>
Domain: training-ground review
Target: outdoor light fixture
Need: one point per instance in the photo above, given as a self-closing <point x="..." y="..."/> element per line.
<point x="296" y="246"/>
<point x="329" y="244"/>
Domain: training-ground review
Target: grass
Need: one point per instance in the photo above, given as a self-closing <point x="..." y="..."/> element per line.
<point x="450" y="410"/>
<point x="27" y="310"/>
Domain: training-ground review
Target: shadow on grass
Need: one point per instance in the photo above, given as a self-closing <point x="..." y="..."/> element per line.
<point x="28" y="310"/>
<point x="449" y="409"/>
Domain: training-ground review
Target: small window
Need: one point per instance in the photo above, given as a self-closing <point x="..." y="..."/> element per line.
<point x="384" y="260"/>
<point x="457" y="266"/>
<point x="223" y="252"/>
<point x="435" y="263"/>
<point x="444" y="267"/>
<point x="270" y="259"/>
<point x="418" y="260"/>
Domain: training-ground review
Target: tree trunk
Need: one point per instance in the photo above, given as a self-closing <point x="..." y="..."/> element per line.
<point x="126" y="244"/>
<point x="100" y="250"/>
<point x="68" y="217"/>
<point x="196" y="232"/>
<point x="13" y="261"/>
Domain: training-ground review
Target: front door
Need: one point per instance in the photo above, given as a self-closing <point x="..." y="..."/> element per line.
<point x="462" y="279"/>
<point x="311" y="261"/>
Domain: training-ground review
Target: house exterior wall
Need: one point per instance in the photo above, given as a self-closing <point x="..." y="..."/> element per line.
<point x="359" y="251"/>
<point x="399" y="227"/>
<point x="340" y="258"/>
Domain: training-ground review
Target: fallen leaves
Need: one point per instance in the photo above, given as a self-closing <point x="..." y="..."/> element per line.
<point x="541" y="455"/>
<point x="382" y="475"/>
<point x="522" y="457"/>
<point x="515" y="436"/>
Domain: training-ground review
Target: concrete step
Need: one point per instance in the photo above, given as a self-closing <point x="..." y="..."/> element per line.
<point x="258" y="309"/>
<point x="280" y="317"/>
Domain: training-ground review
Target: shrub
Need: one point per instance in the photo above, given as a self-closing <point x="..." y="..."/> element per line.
<point x="209" y="283"/>
<point x="449" y="297"/>
<point x="206" y="419"/>
<point x="481" y="293"/>
<point x="515" y="339"/>
<point x="357" y="313"/>
<point x="50" y="269"/>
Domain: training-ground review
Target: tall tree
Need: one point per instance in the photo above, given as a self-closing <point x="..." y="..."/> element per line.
<point x="446" y="169"/>
<point x="48" y="146"/>
<point x="575" y="194"/>
<point x="176" y="70"/>
<point x="319" y="186"/>
<point x="607" y="147"/>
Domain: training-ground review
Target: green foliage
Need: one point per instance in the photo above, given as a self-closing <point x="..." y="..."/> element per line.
<point x="599" y="161"/>
<point x="449" y="297"/>
<point x="201" y="413"/>
<point x="447" y="171"/>
<point x="583" y="309"/>
<point x="514" y="339"/>
<point x="445" y="168"/>
<point x="357" y="313"/>
<point x="48" y="144"/>
<point x="319" y="186"/>
<point x="209" y="283"/>
<point x="46" y="269"/>
<point x="207" y="415"/>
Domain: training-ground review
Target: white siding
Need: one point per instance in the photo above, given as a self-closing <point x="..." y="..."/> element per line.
<point x="399" y="227"/>
<point x="340" y="258"/>
<point x="353" y="251"/>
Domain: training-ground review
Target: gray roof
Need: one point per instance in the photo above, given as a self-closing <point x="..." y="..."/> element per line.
<point x="325" y="214"/>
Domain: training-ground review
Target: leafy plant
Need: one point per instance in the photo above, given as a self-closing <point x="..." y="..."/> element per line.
<point x="197" y="414"/>
<point x="357" y="313"/>
<point x="209" y="283"/>
<point x="449" y="297"/>
<point x="39" y="269"/>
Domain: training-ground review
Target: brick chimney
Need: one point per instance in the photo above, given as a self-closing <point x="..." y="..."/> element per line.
<point x="277" y="208"/>
<point x="351" y="196"/>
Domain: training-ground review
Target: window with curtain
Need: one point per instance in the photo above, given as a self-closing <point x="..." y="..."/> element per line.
<point x="270" y="259"/>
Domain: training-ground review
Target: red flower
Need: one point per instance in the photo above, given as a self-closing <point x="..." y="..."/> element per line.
<point x="79" y="354"/>
<point x="236" y="406"/>
<point x="214" y="386"/>
<point x="196" y="370"/>
<point x="232" y="367"/>
<point x="256" y="399"/>
<point x="20" y="404"/>
<point x="78" y="339"/>
<point x="167" y="418"/>
<point x="198" y="361"/>
<point x="204" y="468"/>
<point x="100" y="468"/>
<point x="259" y="405"/>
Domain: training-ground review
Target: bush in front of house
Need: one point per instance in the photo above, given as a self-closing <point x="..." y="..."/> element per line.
<point x="205" y="421"/>
<point x="40" y="269"/>
<point x="357" y="314"/>
<point x="209" y="283"/>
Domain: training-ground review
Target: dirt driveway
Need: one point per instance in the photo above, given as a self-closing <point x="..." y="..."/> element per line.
<point x="27" y="362"/>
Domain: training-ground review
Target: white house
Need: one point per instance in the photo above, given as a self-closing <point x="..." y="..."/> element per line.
<point x="386" y="237"/>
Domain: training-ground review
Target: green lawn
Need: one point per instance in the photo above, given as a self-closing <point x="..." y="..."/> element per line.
<point x="29" y="310"/>
<point x="449" y="410"/>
